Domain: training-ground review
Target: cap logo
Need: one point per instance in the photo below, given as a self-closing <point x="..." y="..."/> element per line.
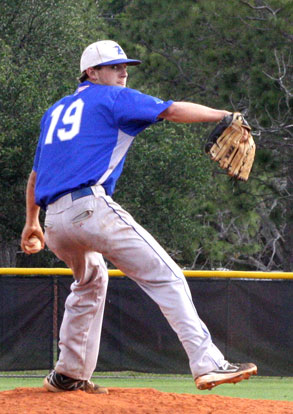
<point x="119" y="50"/>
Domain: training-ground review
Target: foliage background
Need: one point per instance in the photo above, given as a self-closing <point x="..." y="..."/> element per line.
<point x="232" y="55"/>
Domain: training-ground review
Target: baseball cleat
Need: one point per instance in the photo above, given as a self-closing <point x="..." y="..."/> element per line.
<point x="228" y="373"/>
<point x="55" y="382"/>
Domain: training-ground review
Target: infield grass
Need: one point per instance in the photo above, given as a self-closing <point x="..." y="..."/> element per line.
<point x="267" y="388"/>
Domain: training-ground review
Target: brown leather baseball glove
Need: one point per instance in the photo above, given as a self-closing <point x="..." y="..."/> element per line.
<point x="231" y="147"/>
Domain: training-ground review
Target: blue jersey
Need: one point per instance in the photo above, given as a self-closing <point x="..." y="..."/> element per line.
<point x="85" y="138"/>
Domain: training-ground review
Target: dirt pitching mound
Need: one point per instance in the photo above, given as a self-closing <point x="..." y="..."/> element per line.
<point x="132" y="401"/>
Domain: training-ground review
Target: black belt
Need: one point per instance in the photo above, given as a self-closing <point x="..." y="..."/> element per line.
<point x="82" y="192"/>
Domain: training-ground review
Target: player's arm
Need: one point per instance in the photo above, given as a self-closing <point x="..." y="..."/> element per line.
<point x="188" y="112"/>
<point x="32" y="224"/>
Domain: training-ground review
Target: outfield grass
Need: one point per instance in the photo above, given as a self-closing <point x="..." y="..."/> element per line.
<point x="268" y="388"/>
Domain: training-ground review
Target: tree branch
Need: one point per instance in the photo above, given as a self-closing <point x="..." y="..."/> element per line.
<point x="282" y="73"/>
<point x="265" y="7"/>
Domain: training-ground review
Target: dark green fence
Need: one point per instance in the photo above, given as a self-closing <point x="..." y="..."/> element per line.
<point x="249" y="319"/>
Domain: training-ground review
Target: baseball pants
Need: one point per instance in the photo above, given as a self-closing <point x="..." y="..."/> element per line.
<point x="81" y="233"/>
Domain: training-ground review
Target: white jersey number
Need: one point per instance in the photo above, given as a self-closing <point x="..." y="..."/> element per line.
<point x="71" y="117"/>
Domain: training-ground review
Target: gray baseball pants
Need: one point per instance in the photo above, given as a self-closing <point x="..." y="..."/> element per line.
<point x="80" y="233"/>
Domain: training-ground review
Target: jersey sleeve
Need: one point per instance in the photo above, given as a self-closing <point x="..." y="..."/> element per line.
<point x="134" y="111"/>
<point x="38" y="150"/>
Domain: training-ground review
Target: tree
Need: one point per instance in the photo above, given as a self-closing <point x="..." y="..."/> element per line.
<point x="40" y="46"/>
<point x="237" y="56"/>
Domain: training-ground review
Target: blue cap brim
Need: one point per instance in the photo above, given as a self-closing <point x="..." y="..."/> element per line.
<point x="130" y="62"/>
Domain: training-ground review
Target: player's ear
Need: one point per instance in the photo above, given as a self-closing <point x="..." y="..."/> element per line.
<point x="92" y="74"/>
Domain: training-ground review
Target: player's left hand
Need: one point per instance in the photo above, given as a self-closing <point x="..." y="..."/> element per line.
<point x="231" y="145"/>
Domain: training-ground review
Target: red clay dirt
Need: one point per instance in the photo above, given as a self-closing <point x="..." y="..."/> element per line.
<point x="132" y="401"/>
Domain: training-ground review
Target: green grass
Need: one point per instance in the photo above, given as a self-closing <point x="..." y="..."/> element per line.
<point x="270" y="388"/>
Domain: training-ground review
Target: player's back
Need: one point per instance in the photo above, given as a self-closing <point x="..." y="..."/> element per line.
<point x="78" y="137"/>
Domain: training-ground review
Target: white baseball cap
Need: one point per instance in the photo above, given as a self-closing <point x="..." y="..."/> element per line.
<point x="102" y="53"/>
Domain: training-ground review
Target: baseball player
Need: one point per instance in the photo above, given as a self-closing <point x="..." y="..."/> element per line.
<point x="80" y="155"/>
